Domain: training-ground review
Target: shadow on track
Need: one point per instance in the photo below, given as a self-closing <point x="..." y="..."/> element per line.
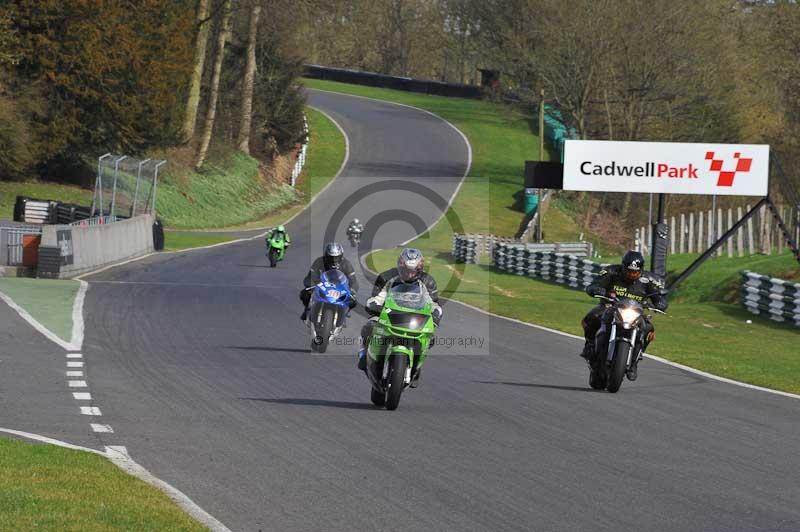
<point x="537" y="385"/>
<point x="314" y="402"/>
<point x="266" y="348"/>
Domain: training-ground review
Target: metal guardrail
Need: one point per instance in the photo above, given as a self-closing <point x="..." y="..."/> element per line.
<point x="776" y="299"/>
<point x="566" y="269"/>
<point x="96" y="220"/>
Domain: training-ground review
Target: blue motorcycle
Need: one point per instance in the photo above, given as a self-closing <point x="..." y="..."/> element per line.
<point x="330" y="304"/>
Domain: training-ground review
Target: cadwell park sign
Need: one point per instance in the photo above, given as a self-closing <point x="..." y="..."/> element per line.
<point x="666" y="167"/>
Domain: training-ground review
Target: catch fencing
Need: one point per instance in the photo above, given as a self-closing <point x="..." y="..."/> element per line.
<point x="566" y="269"/>
<point x="775" y="299"/>
<point x="125" y="186"/>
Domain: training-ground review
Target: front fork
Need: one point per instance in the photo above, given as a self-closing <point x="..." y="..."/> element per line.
<point x="611" y="346"/>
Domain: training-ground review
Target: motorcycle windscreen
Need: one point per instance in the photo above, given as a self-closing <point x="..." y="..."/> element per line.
<point x="410" y="295"/>
<point x="334" y="277"/>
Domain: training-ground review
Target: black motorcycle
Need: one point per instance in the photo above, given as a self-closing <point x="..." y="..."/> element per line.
<point x="618" y="343"/>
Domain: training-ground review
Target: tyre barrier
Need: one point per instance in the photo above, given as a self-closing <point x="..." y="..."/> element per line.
<point x="569" y="270"/>
<point x="466" y="249"/>
<point x="775" y="299"/>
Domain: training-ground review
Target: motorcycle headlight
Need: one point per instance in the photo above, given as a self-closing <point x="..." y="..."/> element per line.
<point x="629" y="316"/>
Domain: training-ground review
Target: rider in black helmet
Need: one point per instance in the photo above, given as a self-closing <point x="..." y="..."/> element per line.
<point x="627" y="279"/>
<point x="332" y="259"/>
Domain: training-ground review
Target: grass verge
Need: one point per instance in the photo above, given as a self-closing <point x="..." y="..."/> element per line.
<point x="49" y="301"/>
<point x="49" y="488"/>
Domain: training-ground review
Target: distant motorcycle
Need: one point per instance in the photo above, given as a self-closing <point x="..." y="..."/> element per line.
<point x="330" y="304"/>
<point x="355" y="237"/>
<point x="399" y="342"/>
<point x="277" y="250"/>
<point x="618" y="347"/>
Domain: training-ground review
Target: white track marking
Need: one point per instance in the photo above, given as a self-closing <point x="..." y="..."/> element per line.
<point x="97" y="427"/>
<point x="74" y="355"/>
<point x="72" y="364"/>
<point x="77" y="316"/>
<point x="119" y="456"/>
<point x="77" y="384"/>
<point x="45" y="439"/>
<point x="74" y="374"/>
<point x="82" y="396"/>
<point x="91" y="411"/>
<point x="36" y="325"/>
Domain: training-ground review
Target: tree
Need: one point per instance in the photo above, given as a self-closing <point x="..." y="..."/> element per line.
<point x="249" y="80"/>
<point x="98" y="76"/>
<point x="213" y="95"/>
<point x="193" y="98"/>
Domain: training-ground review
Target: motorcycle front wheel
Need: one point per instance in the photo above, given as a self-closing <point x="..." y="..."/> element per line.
<point x="617" y="373"/>
<point x="323" y="328"/>
<point x="394" y="382"/>
<point x="273" y="257"/>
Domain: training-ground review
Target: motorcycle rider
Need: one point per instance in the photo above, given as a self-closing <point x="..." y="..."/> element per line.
<point x="623" y="280"/>
<point x="280" y="233"/>
<point x="332" y="259"/>
<point x="409" y="269"/>
<point x="355" y="227"/>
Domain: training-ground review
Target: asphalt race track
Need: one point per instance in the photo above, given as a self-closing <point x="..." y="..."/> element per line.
<point x="200" y="363"/>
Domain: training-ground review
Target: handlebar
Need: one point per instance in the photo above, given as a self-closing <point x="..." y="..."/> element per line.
<point x="645" y="305"/>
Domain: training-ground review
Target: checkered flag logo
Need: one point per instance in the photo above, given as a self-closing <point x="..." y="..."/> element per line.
<point x="726" y="177"/>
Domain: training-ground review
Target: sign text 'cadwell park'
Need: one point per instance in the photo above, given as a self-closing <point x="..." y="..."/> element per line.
<point x="666" y="167"/>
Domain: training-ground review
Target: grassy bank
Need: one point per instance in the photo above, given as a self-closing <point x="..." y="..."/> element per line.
<point x="49" y="488"/>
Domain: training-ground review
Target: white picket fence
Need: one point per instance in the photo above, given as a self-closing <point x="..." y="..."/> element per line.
<point x="301" y="157"/>
<point x="696" y="231"/>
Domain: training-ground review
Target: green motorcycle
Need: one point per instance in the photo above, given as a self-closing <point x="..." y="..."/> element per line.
<point x="277" y="249"/>
<point x="399" y="342"/>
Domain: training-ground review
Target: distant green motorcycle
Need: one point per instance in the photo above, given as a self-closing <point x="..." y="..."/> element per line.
<point x="277" y="244"/>
<point x="399" y="342"/>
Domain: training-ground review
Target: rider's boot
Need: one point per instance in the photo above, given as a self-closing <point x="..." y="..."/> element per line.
<point x="304" y="315"/>
<point x="588" y="350"/>
<point x="362" y="359"/>
<point x="415" y="378"/>
<point x="633" y="371"/>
